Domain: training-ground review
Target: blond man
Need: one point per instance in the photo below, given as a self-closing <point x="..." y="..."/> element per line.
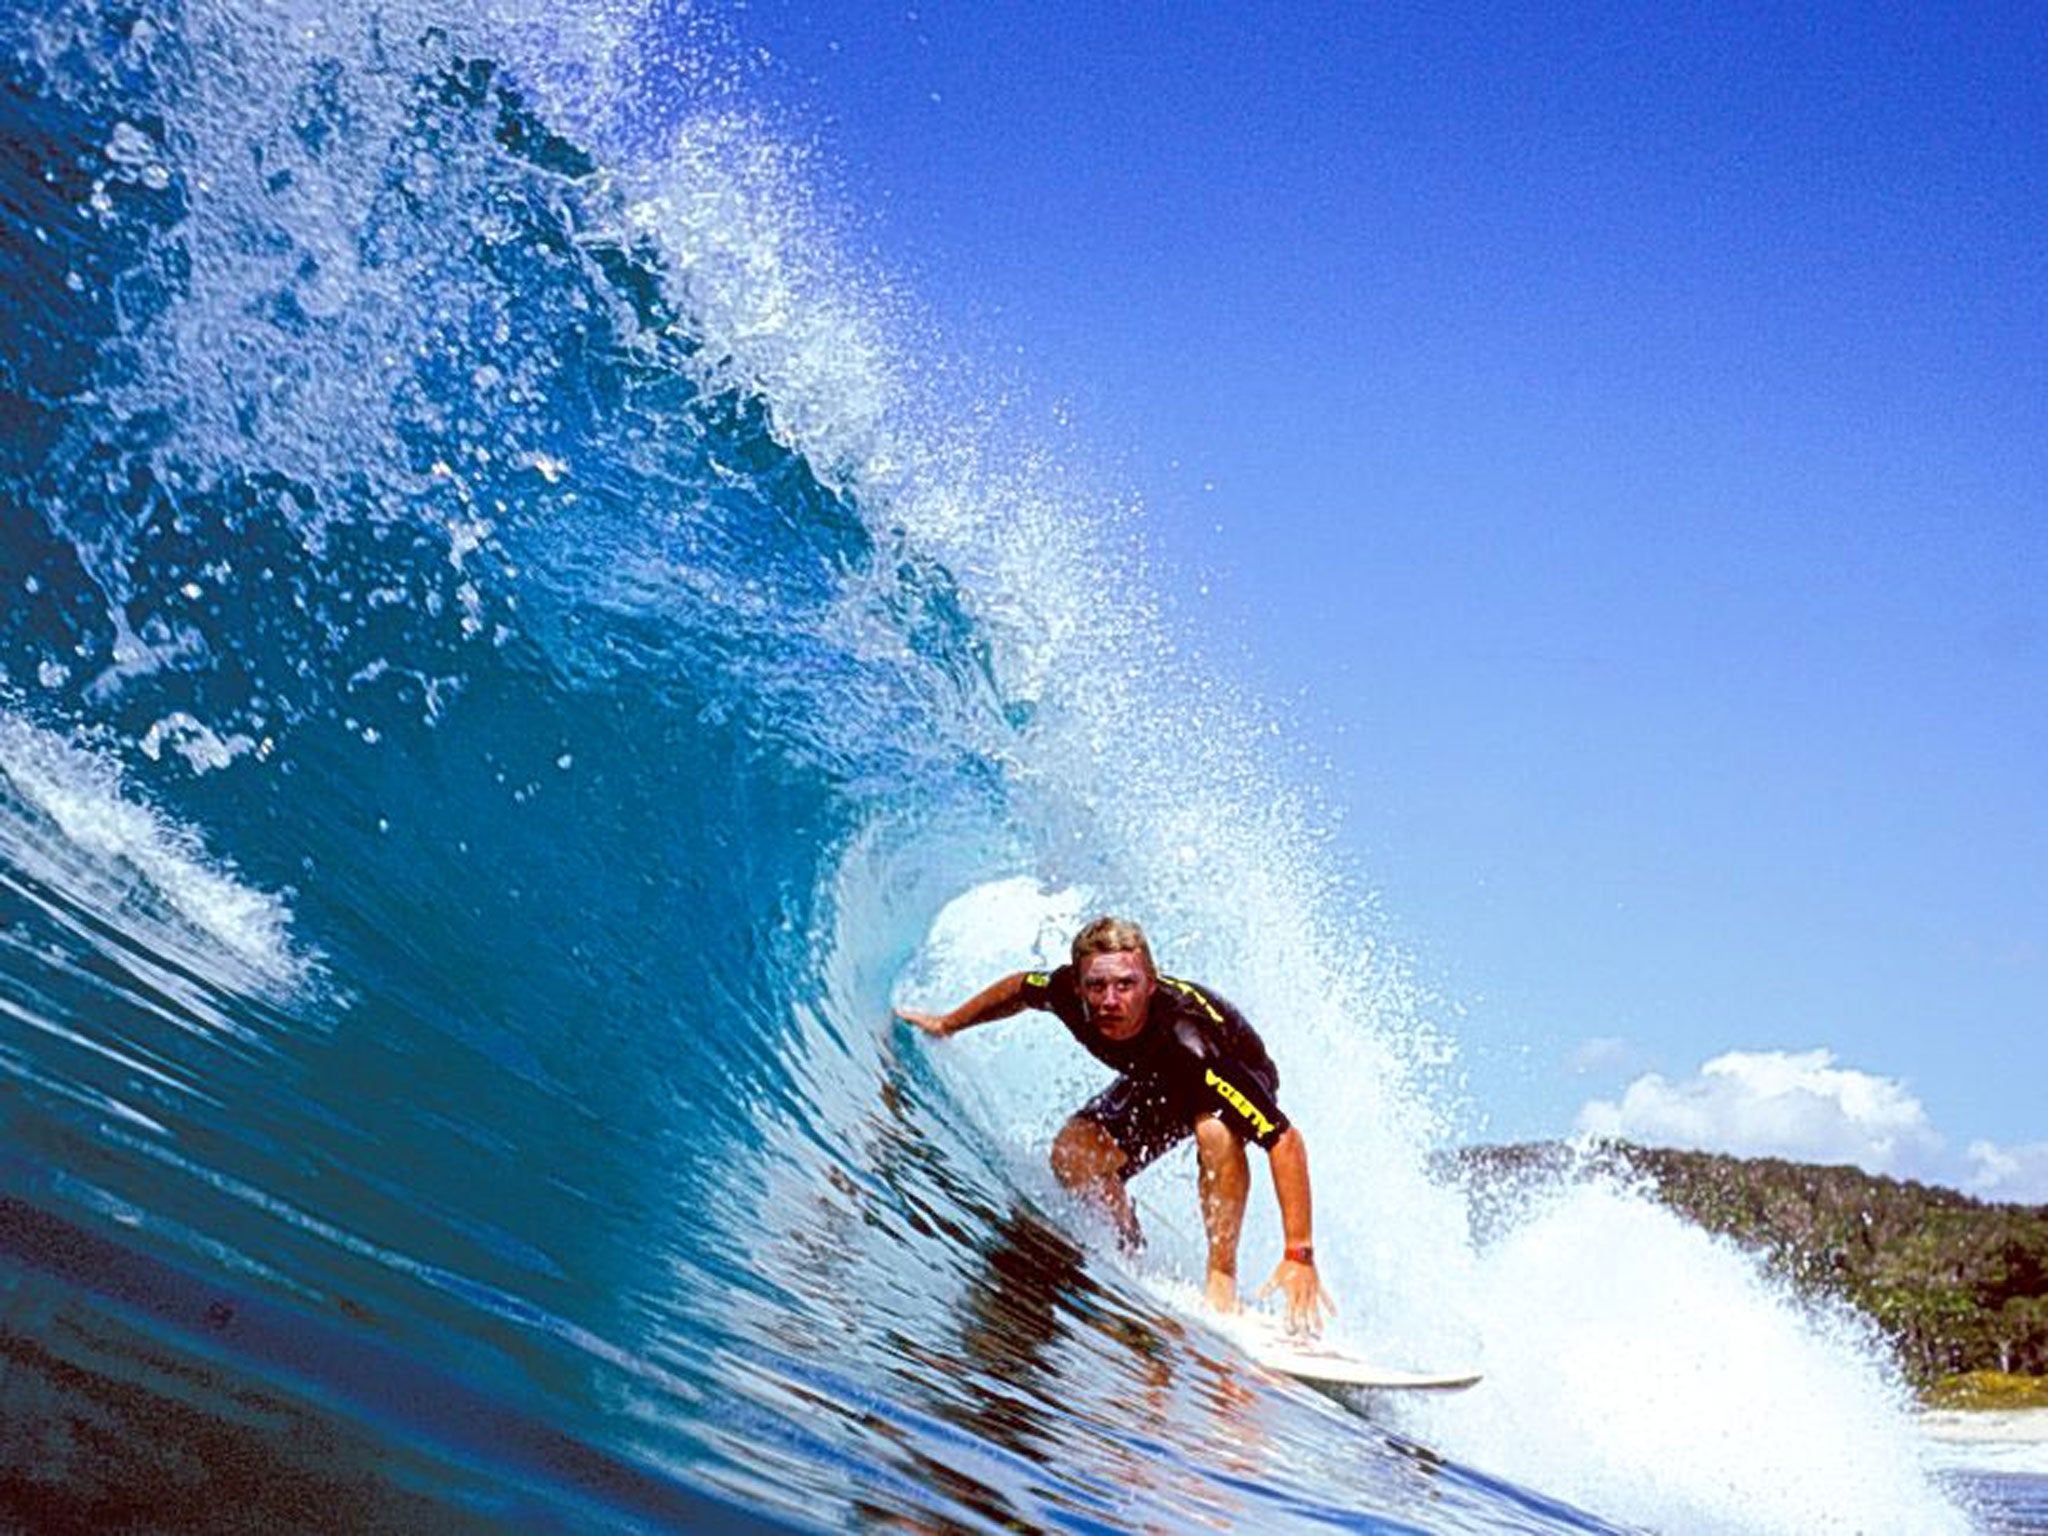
<point x="1187" y="1064"/>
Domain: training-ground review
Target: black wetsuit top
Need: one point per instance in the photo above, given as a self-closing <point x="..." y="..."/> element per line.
<point x="1195" y="1055"/>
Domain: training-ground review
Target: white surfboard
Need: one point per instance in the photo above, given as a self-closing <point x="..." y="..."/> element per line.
<point x="1265" y="1339"/>
<point x="1320" y="1361"/>
<point x="1307" y="1360"/>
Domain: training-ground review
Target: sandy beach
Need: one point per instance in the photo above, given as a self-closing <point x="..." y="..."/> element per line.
<point x="2014" y="1426"/>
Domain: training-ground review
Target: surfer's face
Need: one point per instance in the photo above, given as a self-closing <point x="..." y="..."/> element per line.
<point x="1117" y="991"/>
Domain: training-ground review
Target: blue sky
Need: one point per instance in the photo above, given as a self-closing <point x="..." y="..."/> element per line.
<point x="1620" y="441"/>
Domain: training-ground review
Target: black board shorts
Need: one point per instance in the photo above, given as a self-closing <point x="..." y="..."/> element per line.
<point x="1147" y="1119"/>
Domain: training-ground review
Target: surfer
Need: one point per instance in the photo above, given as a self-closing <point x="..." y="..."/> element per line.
<point x="1188" y="1064"/>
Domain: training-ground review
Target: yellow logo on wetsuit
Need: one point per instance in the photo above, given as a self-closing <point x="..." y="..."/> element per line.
<point x="1237" y="1101"/>
<point x="1194" y="992"/>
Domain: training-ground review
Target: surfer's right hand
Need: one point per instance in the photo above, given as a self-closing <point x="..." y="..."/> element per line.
<point x="930" y="1023"/>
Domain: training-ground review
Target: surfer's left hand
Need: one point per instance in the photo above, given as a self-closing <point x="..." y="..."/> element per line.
<point x="1307" y="1300"/>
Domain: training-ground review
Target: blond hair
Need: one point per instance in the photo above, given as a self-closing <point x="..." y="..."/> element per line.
<point x="1113" y="936"/>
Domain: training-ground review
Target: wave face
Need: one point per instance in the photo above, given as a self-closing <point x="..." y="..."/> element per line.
<point x="514" y="655"/>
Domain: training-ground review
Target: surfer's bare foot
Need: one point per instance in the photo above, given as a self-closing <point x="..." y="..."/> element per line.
<point x="1222" y="1292"/>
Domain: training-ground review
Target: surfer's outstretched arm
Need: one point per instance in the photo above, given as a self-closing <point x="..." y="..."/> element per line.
<point x="997" y="1002"/>
<point x="1295" y="1276"/>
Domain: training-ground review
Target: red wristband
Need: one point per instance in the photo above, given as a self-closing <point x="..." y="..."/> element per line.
<point x="1301" y="1253"/>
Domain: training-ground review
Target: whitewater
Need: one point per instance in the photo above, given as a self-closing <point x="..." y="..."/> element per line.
<point x="517" y="652"/>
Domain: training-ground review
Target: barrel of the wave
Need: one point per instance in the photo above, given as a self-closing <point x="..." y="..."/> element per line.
<point x="1189" y="1065"/>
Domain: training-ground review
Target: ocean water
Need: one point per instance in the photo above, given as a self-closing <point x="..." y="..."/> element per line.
<point x="515" y="651"/>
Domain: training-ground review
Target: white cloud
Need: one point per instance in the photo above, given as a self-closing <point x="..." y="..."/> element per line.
<point x="1802" y="1105"/>
<point x="2009" y="1173"/>
<point x="1792" y="1104"/>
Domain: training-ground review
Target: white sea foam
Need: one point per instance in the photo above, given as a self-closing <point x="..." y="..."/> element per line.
<point x="1643" y="1368"/>
<point x="68" y="819"/>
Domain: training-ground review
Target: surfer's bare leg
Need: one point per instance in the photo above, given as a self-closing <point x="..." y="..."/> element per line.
<point x="1089" y="1163"/>
<point x="1226" y="1181"/>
